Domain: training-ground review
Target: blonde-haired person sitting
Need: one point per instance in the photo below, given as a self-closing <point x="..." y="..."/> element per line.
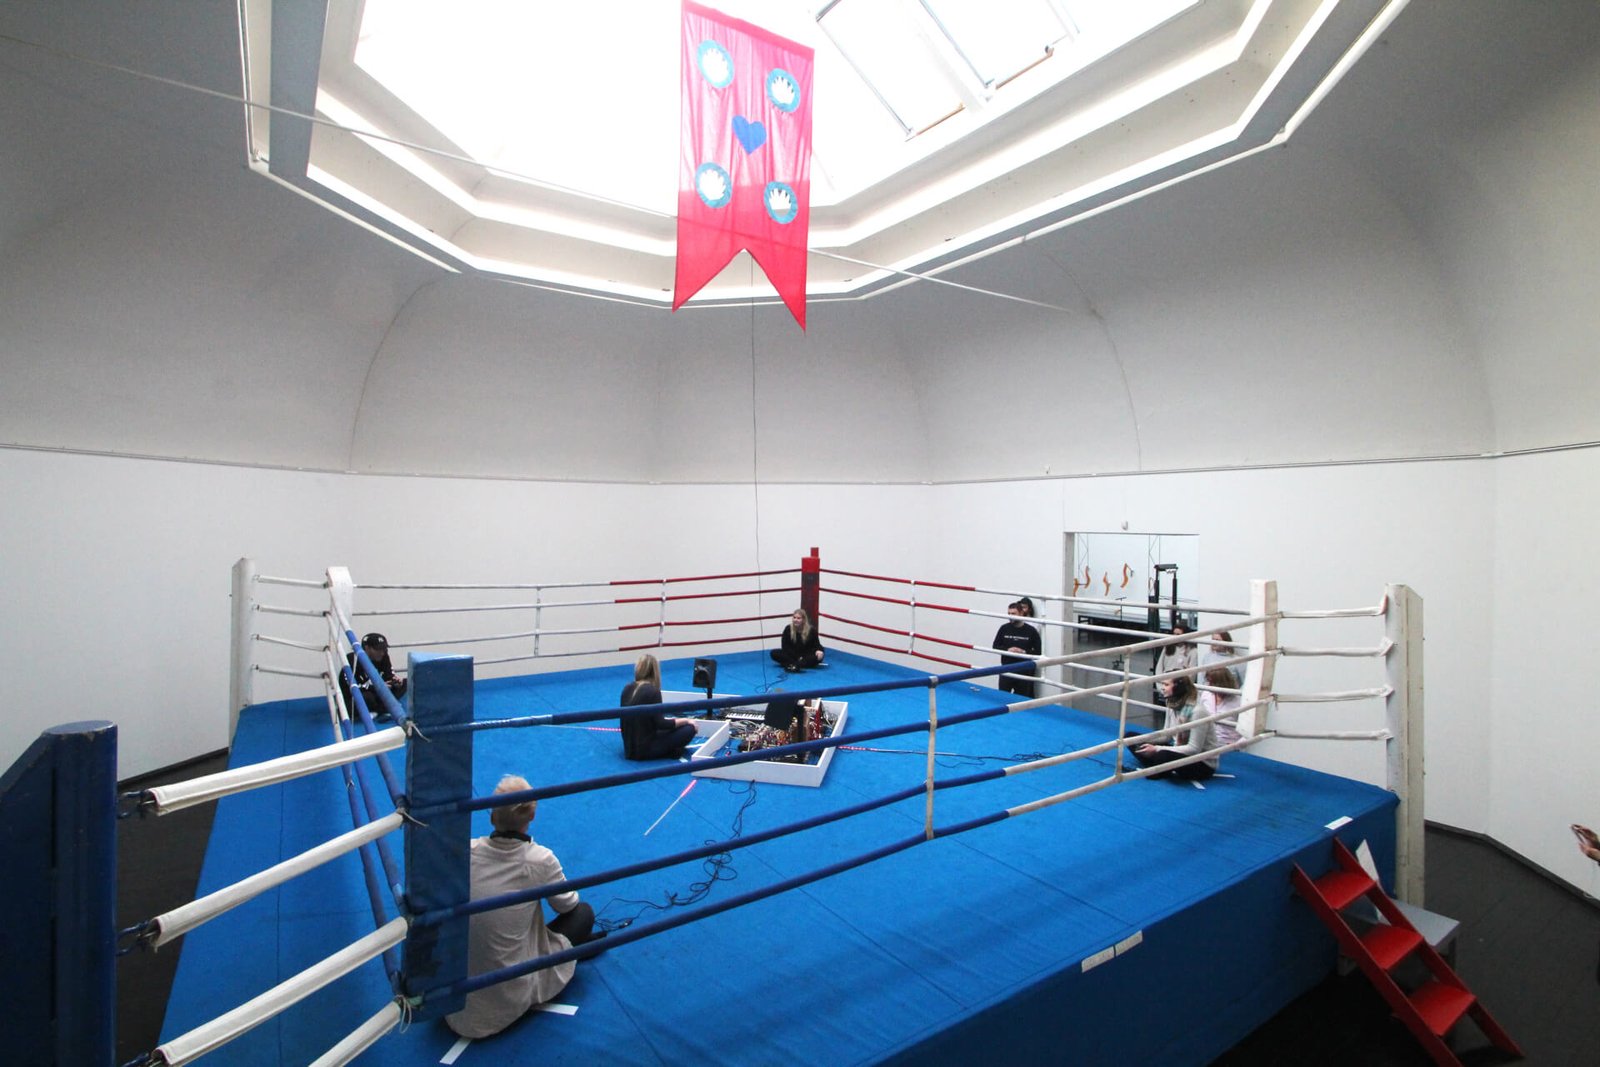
<point x="506" y="861"/>
<point x="651" y="736"/>
<point x="799" y="648"/>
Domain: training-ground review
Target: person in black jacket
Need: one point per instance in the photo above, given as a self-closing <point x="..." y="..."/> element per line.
<point x="800" y="649"/>
<point x="1018" y="637"/>
<point x="651" y="736"/>
<point x="376" y="646"/>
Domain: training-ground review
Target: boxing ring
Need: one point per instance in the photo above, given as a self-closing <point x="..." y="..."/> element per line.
<point x="934" y="897"/>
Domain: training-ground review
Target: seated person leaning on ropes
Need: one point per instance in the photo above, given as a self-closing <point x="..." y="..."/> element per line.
<point x="507" y="861"/>
<point x="1181" y="708"/>
<point x="376" y="646"/>
<point x="1226" y="731"/>
<point x="651" y="736"/>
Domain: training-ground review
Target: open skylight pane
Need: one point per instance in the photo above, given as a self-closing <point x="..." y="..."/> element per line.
<point x="999" y="37"/>
<point x="875" y="36"/>
<point x="539" y="90"/>
<point x="1115" y="24"/>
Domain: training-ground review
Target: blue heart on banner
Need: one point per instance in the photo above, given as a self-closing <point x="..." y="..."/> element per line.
<point x="752" y="135"/>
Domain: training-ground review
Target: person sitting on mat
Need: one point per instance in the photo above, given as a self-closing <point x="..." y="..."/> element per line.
<point x="1180" y="700"/>
<point x="799" y="648"/>
<point x="506" y="861"/>
<point x="1226" y="731"/>
<point x="376" y="646"/>
<point x="1017" y="636"/>
<point x="651" y="736"/>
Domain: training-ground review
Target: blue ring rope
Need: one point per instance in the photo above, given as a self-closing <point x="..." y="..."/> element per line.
<point x="397" y="795"/>
<point x="591" y="948"/>
<point x="369" y="872"/>
<point x="391" y="869"/>
<point x="566" y="718"/>
<point x="483" y="904"/>
<point x="495" y="800"/>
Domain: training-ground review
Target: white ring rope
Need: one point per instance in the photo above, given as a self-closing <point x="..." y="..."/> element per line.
<point x="271" y="609"/>
<point x="1343" y="613"/>
<point x="1383" y="692"/>
<point x="1337" y="735"/>
<point x="474" y="640"/>
<point x="304" y="583"/>
<point x="1380" y="650"/>
<point x="1163" y="642"/>
<point x="601" y="584"/>
<point x="487" y="586"/>
<point x="362" y="1037"/>
<point x="266" y="640"/>
<point x="1129" y="742"/>
<point x="208" y="1037"/>
<point x="1142" y="772"/>
<point x="1128" y="605"/>
<point x="180" y="795"/>
<point x="286" y="670"/>
<point x="181" y="920"/>
<point x="486" y="607"/>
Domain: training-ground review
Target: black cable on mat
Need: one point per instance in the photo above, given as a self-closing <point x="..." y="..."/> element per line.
<point x="718" y="868"/>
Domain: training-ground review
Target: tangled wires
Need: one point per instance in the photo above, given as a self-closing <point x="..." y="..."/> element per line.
<point x="717" y="868"/>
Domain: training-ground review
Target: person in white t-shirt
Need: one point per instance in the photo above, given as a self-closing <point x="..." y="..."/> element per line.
<point x="506" y="861"/>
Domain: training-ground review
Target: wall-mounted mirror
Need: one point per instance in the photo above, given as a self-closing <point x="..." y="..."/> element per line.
<point x="1135" y="584"/>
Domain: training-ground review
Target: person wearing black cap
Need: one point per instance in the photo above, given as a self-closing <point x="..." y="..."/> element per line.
<point x="657" y="736"/>
<point x="376" y="646"/>
<point x="1017" y="636"/>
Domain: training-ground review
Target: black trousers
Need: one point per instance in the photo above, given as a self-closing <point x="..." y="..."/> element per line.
<point x="576" y="925"/>
<point x="1198" y="771"/>
<point x="662" y="746"/>
<point x="1023" y="687"/>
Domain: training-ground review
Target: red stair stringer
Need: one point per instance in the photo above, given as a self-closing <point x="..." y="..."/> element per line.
<point x="1428" y="1011"/>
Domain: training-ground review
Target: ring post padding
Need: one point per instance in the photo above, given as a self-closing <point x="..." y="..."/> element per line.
<point x="241" y="675"/>
<point x="438" y="771"/>
<point x="84" y="887"/>
<point x="58" y="835"/>
<point x="811" y="586"/>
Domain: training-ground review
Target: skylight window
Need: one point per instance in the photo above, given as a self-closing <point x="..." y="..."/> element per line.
<point x="539" y="141"/>
<point x="585" y="96"/>
<point x="888" y="50"/>
<point x="999" y="38"/>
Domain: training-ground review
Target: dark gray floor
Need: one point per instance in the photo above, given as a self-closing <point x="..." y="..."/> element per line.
<point x="1528" y="947"/>
<point x="158" y="861"/>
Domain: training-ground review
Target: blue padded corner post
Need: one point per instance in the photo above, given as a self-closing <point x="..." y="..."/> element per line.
<point x="58" y="820"/>
<point x="438" y="874"/>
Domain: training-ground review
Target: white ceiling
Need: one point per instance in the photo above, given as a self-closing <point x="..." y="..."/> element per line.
<point x="1412" y="273"/>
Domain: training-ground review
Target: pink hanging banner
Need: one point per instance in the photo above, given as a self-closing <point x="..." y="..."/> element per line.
<point x="744" y="174"/>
